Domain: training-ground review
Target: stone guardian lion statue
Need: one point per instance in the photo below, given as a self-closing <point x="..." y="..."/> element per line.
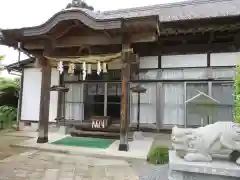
<point x="200" y="144"/>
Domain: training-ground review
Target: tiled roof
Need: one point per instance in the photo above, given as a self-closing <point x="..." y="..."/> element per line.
<point x="193" y="9"/>
<point x="185" y="10"/>
<point x="16" y="65"/>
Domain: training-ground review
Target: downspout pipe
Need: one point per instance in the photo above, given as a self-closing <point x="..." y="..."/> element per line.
<point x="19" y="94"/>
<point x="19" y="108"/>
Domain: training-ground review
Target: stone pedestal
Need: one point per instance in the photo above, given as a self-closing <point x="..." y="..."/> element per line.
<point x="180" y="169"/>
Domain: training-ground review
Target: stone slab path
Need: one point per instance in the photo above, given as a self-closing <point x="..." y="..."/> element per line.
<point x="37" y="165"/>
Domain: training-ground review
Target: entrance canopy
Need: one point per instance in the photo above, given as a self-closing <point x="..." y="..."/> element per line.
<point x="68" y="31"/>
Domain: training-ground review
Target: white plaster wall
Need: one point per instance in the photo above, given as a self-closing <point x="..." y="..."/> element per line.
<point x="147" y="62"/>
<point x="224" y="59"/>
<point x="191" y="60"/>
<point x="31" y="94"/>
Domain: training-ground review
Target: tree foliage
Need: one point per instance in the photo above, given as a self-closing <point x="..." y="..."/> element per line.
<point x="237" y="95"/>
<point x="1" y="57"/>
<point x="8" y="115"/>
<point x="9" y="89"/>
<point x="79" y="4"/>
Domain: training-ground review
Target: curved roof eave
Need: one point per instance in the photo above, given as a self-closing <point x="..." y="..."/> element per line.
<point x="92" y="20"/>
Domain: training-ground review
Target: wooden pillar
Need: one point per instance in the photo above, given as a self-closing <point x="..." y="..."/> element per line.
<point x="44" y="101"/>
<point x="124" y="123"/>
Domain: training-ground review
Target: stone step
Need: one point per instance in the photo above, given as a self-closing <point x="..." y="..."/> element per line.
<point x="98" y="134"/>
<point x="113" y="129"/>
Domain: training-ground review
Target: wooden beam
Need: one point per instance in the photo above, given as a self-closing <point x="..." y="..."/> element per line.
<point x="107" y="34"/>
<point x="44" y="101"/>
<point x="196" y="48"/>
<point x="49" y="46"/>
<point x="102" y="39"/>
<point x="158" y="49"/>
<point x="153" y="49"/>
<point x="61" y="34"/>
<point x="134" y="70"/>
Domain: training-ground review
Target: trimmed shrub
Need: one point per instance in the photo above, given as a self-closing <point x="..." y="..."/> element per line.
<point x="158" y="155"/>
<point x="237" y="95"/>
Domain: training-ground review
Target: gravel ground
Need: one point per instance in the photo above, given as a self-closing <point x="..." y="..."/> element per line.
<point x="53" y="166"/>
<point x="147" y="171"/>
<point x="5" y="149"/>
<point x="56" y="166"/>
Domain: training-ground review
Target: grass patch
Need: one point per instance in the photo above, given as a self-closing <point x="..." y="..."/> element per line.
<point x="85" y="142"/>
<point x="158" y="155"/>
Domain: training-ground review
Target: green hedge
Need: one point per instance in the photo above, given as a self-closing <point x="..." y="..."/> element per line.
<point x="237" y="95"/>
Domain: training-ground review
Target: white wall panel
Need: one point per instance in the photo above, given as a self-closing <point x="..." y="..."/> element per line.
<point x="191" y="60"/>
<point x="150" y="74"/>
<point x="32" y="92"/>
<point x="147" y="62"/>
<point x="223" y="73"/>
<point x="187" y="73"/>
<point x="224" y="59"/>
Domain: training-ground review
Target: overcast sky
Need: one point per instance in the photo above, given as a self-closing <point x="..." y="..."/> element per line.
<point x="25" y="13"/>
